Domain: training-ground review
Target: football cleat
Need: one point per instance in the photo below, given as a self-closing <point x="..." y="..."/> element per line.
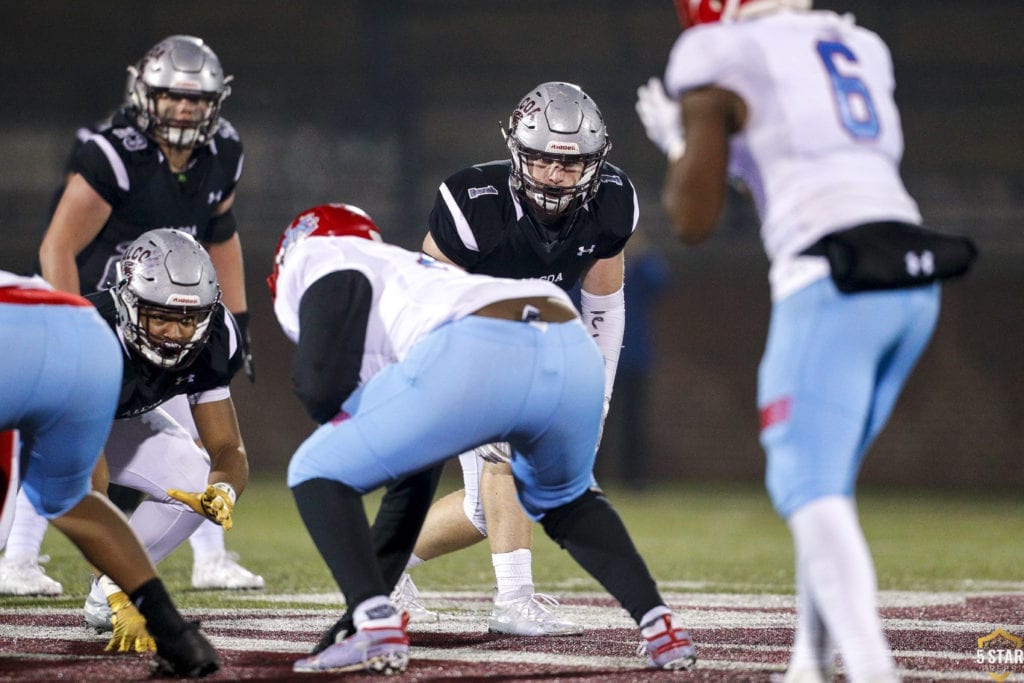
<point x="529" y="615"/>
<point x="27" y="577"/>
<point x="341" y="629"/>
<point x="379" y="646"/>
<point x="666" y="645"/>
<point x="406" y="598"/>
<point x="97" y="613"/>
<point x="188" y="655"/>
<point x="222" y="572"/>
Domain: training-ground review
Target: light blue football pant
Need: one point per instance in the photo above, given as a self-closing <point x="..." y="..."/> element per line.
<point x="60" y="369"/>
<point x="833" y="367"/>
<point x="478" y="380"/>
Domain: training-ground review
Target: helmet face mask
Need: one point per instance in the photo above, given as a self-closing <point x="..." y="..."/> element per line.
<point x="326" y="220"/>
<point x="556" y="125"/>
<point x="177" y="68"/>
<point x="166" y="295"/>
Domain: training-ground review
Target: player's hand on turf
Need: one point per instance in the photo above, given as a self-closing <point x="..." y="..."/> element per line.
<point x="215" y="503"/>
<point x="495" y="452"/>
<point x="130" y="634"/>
<point x="661" y="116"/>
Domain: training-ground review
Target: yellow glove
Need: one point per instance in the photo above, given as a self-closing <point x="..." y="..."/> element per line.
<point x="215" y="503"/>
<point x="130" y="634"/>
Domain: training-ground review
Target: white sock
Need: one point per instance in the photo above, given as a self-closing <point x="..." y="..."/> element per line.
<point x="27" y="531"/>
<point x="362" y="612"/>
<point x="514" y="573"/>
<point x="207" y="541"/>
<point x="813" y="649"/>
<point x="414" y="561"/>
<point x="832" y="553"/>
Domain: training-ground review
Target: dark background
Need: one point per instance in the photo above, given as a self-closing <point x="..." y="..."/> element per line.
<point x="375" y="102"/>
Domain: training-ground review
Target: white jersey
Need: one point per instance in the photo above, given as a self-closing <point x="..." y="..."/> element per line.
<point x="8" y="279"/>
<point x="822" y="144"/>
<point x="413" y="294"/>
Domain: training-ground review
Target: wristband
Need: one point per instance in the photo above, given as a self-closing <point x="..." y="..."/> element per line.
<point x="226" y="488"/>
<point x="676" y="150"/>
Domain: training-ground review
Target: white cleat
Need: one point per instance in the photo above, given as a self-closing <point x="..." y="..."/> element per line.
<point x="222" y="572"/>
<point x="406" y="598"/>
<point x="27" y="577"/>
<point x="97" y="613"/>
<point x="530" y="615"/>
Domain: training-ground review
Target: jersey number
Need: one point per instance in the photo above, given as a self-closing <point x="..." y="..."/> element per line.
<point x="853" y="101"/>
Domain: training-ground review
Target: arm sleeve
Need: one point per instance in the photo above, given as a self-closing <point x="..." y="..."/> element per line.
<point x="605" y="319"/>
<point x="333" y="315"/>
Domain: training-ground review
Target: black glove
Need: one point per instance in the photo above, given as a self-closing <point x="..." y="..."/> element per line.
<point x="243" y="327"/>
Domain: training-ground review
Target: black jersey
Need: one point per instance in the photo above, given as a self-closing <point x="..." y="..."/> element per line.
<point x="130" y="172"/>
<point x="144" y="386"/>
<point x="481" y="224"/>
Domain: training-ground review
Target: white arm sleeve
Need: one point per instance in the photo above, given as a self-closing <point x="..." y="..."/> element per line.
<point x="605" y="319"/>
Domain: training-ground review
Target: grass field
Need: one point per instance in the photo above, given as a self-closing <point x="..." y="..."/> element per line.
<point x="695" y="537"/>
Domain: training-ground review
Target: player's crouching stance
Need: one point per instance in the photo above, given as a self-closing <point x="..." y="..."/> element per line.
<point x="403" y="361"/>
<point x="61" y="373"/>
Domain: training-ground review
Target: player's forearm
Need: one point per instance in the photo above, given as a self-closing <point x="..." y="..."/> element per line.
<point x="230" y="465"/>
<point x="59" y="269"/>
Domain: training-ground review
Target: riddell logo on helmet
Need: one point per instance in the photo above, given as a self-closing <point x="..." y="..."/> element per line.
<point x="183" y="300"/>
<point x="563" y="147"/>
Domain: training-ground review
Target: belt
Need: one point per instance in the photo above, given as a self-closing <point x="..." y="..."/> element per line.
<point x="528" y="309"/>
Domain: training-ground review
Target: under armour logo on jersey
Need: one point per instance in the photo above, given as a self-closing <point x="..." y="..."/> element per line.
<point x="214" y="197"/>
<point x="920" y="265"/>
<point x="185" y="379"/>
<point x="583" y="251"/>
<point x="132" y="139"/>
<point x="475" y="192"/>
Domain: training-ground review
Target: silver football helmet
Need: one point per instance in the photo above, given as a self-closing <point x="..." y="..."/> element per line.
<point x="166" y="277"/>
<point x="556" y="122"/>
<point x="184" y="66"/>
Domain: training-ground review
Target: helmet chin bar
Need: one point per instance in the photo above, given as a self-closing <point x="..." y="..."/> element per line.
<point x="552" y="202"/>
<point x="182" y="137"/>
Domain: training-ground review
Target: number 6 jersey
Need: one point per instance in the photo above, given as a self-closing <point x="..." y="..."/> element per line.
<point x="821" y="147"/>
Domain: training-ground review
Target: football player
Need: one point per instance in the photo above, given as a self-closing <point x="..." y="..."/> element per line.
<point x="382" y="332"/>
<point x="166" y="158"/>
<point x="798" y="105"/>
<point x="556" y="210"/>
<point x="62" y="372"/>
<point x="178" y="340"/>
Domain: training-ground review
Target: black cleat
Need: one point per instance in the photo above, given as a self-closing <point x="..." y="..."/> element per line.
<point x="342" y="629"/>
<point x="188" y="655"/>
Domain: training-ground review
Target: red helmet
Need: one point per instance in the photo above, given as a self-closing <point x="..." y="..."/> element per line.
<point x="693" y="12"/>
<point x="326" y="220"/>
